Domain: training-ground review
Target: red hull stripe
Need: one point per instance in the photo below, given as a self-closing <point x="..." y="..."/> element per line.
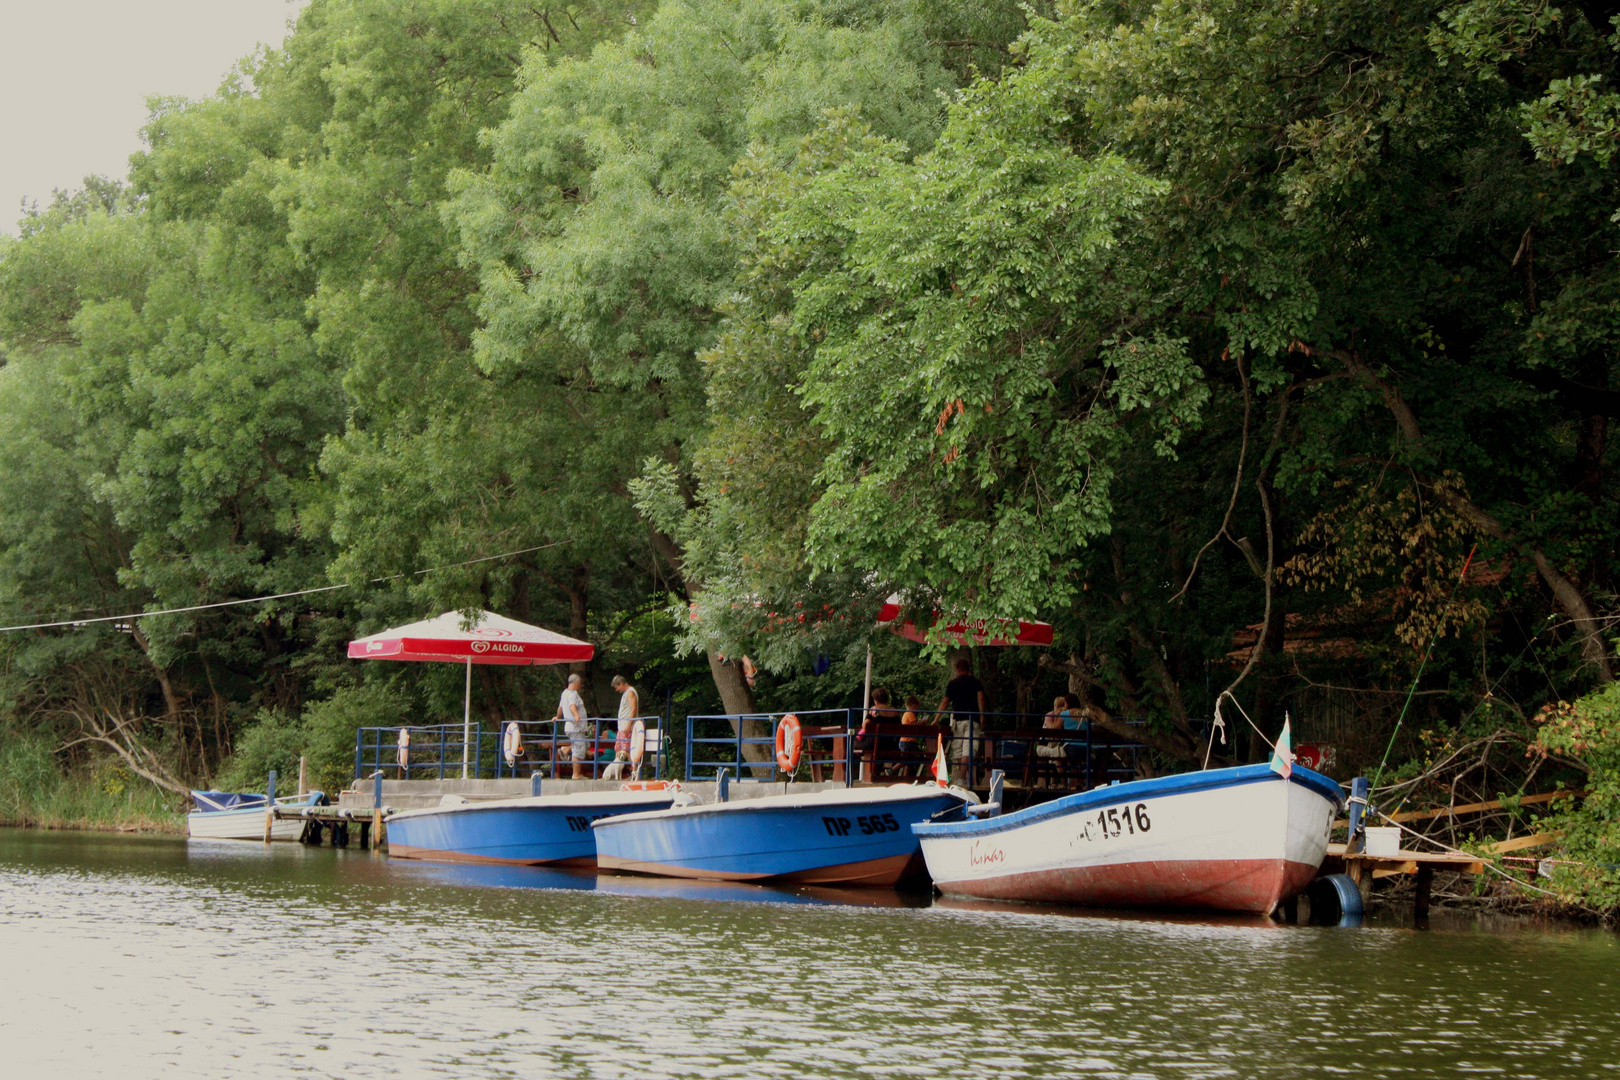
<point x="403" y="851"/>
<point x="1253" y="885"/>
<point x="877" y="872"/>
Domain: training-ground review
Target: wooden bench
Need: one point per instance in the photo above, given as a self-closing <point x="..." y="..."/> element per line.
<point x="890" y="760"/>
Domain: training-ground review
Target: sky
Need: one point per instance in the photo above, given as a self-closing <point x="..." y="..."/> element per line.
<point x="75" y="75"/>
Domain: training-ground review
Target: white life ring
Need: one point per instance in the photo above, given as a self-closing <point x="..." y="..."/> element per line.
<point x="512" y="745"/>
<point x="404" y="748"/>
<point x="638" y="743"/>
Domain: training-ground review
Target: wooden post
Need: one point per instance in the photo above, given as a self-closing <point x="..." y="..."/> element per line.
<point x="303" y="772"/>
<point x="376" y="811"/>
<point x="1420" y="898"/>
<point x="270" y="806"/>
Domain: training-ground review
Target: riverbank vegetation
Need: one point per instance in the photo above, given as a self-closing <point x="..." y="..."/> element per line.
<point x="1267" y="348"/>
<point x="36" y="791"/>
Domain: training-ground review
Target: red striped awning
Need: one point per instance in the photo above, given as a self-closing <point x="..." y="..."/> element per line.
<point x="977" y="632"/>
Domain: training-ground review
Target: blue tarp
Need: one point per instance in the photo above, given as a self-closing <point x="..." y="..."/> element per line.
<point x="211" y="801"/>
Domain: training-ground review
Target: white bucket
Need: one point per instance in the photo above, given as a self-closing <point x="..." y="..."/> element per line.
<point x="1383" y="842"/>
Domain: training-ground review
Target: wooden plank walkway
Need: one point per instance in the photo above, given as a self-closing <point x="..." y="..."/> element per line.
<point x="335" y="822"/>
<point x="1474" y="808"/>
<point x="1363" y="868"/>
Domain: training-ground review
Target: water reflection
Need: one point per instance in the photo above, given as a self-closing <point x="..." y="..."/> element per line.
<point x="144" y="958"/>
<point x="584" y="880"/>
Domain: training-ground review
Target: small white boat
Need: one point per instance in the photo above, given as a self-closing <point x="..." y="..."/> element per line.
<point x="1239" y="839"/>
<point x="229" y="815"/>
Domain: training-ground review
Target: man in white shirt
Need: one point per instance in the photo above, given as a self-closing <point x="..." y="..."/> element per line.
<point x="571" y="709"/>
<point x="629" y="709"/>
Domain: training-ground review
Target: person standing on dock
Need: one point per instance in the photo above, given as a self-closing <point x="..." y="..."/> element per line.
<point x="571" y="708"/>
<point x="629" y="709"/>
<point x="964" y="699"/>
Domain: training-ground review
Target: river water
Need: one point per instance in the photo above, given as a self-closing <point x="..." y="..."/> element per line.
<point x="139" y="957"/>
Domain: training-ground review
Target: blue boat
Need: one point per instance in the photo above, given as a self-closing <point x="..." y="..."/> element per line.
<point x="542" y="829"/>
<point x="854" y="836"/>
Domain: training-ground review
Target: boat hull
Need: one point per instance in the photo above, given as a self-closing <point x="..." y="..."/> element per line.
<point x="1240" y="839"/>
<point x="552" y="830"/>
<point x="851" y="837"/>
<point x="247" y="823"/>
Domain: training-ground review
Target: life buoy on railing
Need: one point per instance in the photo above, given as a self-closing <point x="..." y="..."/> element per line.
<point x="638" y="743"/>
<point x="650" y="785"/>
<point x="404" y="748"/>
<point x="512" y="745"/>
<point x="789" y="741"/>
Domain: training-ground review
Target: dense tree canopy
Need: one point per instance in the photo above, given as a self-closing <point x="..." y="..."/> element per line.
<point x="1221" y="335"/>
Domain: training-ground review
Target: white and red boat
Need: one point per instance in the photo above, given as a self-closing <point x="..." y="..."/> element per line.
<point x="1238" y="839"/>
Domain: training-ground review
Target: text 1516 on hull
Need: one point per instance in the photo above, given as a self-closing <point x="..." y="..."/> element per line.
<point x="1239" y="839"/>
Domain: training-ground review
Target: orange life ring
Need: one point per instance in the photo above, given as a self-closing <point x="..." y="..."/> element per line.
<point x="638" y="743"/>
<point x="789" y="741"/>
<point x="650" y="785"/>
<point x="404" y="743"/>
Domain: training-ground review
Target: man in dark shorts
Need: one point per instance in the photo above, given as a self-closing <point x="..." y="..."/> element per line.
<point x="964" y="699"/>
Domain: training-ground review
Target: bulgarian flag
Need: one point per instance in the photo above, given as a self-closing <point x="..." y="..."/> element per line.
<point x="942" y="770"/>
<point x="1282" y="755"/>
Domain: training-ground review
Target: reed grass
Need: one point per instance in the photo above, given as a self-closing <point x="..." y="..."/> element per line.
<point x="36" y="792"/>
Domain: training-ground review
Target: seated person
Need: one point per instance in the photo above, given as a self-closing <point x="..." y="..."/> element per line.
<point x="866" y="742"/>
<point x="1077" y="718"/>
<point x="1056" y="720"/>
<point x="910" y="716"/>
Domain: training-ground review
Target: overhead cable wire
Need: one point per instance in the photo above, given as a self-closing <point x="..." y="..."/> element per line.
<point x="275" y="596"/>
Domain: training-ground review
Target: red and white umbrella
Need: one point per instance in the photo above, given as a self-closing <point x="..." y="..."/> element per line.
<point x="493" y="639"/>
<point x="489" y="639"/>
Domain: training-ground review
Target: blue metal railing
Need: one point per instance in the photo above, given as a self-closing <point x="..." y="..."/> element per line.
<point x="884" y="749"/>
<point x="718" y="742"/>
<point x="434" y="752"/>
<point x="542" y="740"/>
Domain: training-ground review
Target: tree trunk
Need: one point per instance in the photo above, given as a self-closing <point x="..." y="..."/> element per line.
<point x="1172" y="745"/>
<point x="737" y="698"/>
<point x="1565" y="592"/>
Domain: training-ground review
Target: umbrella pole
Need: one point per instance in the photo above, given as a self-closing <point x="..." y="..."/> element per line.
<point x="866" y="692"/>
<point x="466" y="719"/>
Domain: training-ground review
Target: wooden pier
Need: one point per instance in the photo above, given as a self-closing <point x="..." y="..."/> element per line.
<point x="1363" y="869"/>
<point x="339" y="823"/>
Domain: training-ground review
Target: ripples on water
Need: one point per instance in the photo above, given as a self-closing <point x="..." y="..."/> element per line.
<point x="138" y="957"/>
